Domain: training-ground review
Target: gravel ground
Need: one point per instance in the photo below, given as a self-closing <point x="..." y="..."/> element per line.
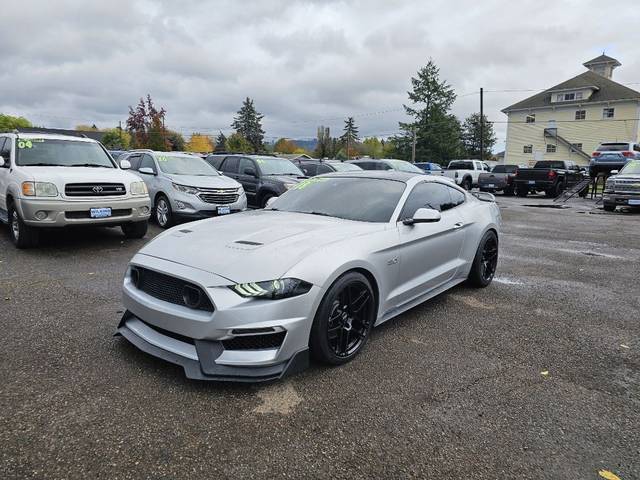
<point x="536" y="376"/>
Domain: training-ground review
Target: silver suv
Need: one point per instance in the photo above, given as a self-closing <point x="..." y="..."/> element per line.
<point x="185" y="187"/>
<point x="58" y="180"/>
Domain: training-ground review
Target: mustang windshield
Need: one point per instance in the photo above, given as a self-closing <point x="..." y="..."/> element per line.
<point x="361" y="199"/>
<point x="185" y="165"/>
<point x="47" y="152"/>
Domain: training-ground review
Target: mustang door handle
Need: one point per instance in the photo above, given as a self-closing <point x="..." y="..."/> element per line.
<point x="458" y="225"/>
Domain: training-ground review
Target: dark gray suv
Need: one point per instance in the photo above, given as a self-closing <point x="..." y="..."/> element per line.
<point x="261" y="176"/>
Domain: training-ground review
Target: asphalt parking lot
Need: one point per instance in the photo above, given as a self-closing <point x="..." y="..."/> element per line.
<point x="537" y="376"/>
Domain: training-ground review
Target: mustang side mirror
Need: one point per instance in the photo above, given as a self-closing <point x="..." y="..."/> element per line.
<point x="147" y="171"/>
<point x="423" y="215"/>
<point x="270" y="202"/>
<point x="125" y="164"/>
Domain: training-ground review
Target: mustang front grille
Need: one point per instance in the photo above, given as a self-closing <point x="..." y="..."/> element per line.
<point x="170" y="289"/>
<point x="255" y="342"/>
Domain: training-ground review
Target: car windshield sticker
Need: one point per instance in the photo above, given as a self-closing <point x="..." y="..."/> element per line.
<point x="309" y="181"/>
<point x="25" y="144"/>
<point x="260" y="161"/>
<point x="162" y="158"/>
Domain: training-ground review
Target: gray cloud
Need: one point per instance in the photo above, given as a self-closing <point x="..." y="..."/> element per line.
<point x="305" y="63"/>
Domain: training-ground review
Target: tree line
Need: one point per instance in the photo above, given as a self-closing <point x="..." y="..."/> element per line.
<point x="438" y="134"/>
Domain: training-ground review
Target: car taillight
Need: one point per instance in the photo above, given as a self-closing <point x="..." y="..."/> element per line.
<point x="552" y="174"/>
<point x="628" y="154"/>
<point x="595" y="154"/>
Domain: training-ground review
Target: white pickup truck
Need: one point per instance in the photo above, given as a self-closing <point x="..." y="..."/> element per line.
<point x="466" y="172"/>
<point x="58" y="180"/>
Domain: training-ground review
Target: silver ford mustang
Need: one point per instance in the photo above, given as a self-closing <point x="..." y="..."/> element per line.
<point x="251" y="296"/>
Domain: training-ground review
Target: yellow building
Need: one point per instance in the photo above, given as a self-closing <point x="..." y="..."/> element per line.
<point x="570" y="120"/>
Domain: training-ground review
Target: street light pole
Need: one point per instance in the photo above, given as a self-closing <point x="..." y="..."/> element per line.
<point x="481" y="123"/>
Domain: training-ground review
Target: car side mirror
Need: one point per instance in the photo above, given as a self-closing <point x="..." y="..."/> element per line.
<point x="423" y="215"/>
<point x="2" y="162"/>
<point x="125" y="164"/>
<point x="147" y="171"/>
<point x="250" y="171"/>
<point x="614" y="172"/>
<point x="270" y="202"/>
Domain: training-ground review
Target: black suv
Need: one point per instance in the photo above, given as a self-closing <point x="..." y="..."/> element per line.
<point x="312" y="167"/>
<point x="261" y="176"/>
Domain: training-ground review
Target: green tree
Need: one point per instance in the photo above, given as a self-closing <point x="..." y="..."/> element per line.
<point x="437" y="131"/>
<point x="221" y="143"/>
<point x="471" y="136"/>
<point x="146" y="125"/>
<point x="9" y="122"/>
<point x="237" y="143"/>
<point x="372" y="147"/>
<point x="285" y="145"/>
<point x="349" y="138"/>
<point x="116" y="139"/>
<point x="248" y="123"/>
<point x="176" y="141"/>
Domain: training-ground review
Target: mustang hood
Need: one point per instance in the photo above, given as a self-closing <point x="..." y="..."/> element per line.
<point x="252" y="246"/>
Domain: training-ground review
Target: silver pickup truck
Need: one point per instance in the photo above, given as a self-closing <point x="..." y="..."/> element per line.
<point x="623" y="187"/>
<point x="58" y="180"/>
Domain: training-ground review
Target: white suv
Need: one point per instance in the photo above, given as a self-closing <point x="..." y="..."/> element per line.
<point x="58" y="180"/>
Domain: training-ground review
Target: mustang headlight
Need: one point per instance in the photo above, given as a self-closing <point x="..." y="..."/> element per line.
<point x="138" y="188"/>
<point x="185" y="189"/>
<point x="39" y="189"/>
<point x="272" y="289"/>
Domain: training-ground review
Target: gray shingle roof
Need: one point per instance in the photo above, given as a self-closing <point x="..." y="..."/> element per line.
<point x="608" y="90"/>
<point x="602" y="59"/>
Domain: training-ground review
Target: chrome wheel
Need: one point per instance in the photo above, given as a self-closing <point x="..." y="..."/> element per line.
<point x="489" y="259"/>
<point x="15" y="226"/>
<point x="162" y="212"/>
<point x="350" y="319"/>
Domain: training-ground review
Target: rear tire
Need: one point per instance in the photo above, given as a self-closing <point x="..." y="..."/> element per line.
<point x="522" y="191"/>
<point x="135" y="230"/>
<point x="555" y="191"/>
<point x="22" y="235"/>
<point x="509" y="192"/>
<point x="265" y="199"/>
<point x="344" y="320"/>
<point x="467" y="184"/>
<point x="164" y="215"/>
<point x="609" y="208"/>
<point x="485" y="261"/>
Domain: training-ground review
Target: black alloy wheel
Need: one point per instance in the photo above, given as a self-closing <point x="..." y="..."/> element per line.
<point x="485" y="262"/>
<point x="344" y="320"/>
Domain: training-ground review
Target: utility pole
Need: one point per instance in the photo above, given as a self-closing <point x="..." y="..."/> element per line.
<point x="348" y="142"/>
<point x="481" y="123"/>
<point x="413" y="145"/>
<point x="120" y="132"/>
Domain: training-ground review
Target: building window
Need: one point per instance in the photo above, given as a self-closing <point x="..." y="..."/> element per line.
<point x="581" y="114"/>
<point x="578" y="95"/>
<point x="576" y="147"/>
<point x="559" y="97"/>
<point x="608" y="112"/>
<point x="531" y="118"/>
<point x="569" y="96"/>
<point x="551" y="148"/>
<point x="527" y="149"/>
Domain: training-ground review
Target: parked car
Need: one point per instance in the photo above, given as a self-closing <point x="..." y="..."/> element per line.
<point x="623" y="188"/>
<point x="612" y="156"/>
<point x="249" y="297"/>
<point x="57" y="180"/>
<point x="311" y="167"/>
<point x="115" y="154"/>
<point x="386" y="164"/>
<point x="185" y="187"/>
<point x="430" y="168"/>
<point x="262" y="177"/>
<point x="549" y="176"/>
<point x="465" y="172"/>
<point x="499" y="179"/>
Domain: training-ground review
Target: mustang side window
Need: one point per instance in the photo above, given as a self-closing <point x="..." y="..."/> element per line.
<point x="427" y="195"/>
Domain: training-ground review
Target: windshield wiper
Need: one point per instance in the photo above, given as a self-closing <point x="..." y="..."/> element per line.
<point x="322" y="214"/>
<point x="42" y="164"/>
<point x="93" y="165"/>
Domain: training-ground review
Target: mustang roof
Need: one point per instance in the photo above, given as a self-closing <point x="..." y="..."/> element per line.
<point x="378" y="174"/>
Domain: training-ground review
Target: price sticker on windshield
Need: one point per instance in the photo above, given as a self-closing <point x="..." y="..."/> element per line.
<point x="309" y="181"/>
<point x="25" y="144"/>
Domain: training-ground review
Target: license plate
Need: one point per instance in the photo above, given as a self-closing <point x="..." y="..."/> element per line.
<point x="532" y="182"/>
<point x="491" y="185"/>
<point x="100" y="212"/>
<point x="634" y="202"/>
<point x="224" y="210"/>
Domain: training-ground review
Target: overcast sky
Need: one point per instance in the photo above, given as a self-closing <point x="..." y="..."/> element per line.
<point x="304" y="63"/>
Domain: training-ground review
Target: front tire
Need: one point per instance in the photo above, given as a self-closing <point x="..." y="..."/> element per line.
<point x="522" y="191"/>
<point x="485" y="262"/>
<point x="22" y="235"/>
<point x="344" y="320"/>
<point x="265" y="199"/>
<point x="467" y="184"/>
<point x="609" y="208"/>
<point x="135" y="230"/>
<point x="164" y="214"/>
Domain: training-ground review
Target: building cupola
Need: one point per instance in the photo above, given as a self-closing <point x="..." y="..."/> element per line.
<point x="602" y="65"/>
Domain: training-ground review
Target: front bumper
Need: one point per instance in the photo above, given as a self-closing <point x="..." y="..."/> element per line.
<point x="188" y="206"/>
<point x="63" y="212"/>
<point x="198" y="359"/>
<point x="621" y="199"/>
<point x="204" y="340"/>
